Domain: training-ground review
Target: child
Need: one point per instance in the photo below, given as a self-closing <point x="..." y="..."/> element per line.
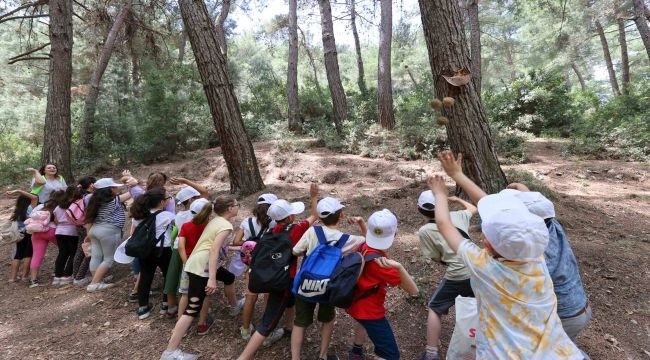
<point x="516" y="304"/>
<point x="261" y="223"/>
<point x="456" y="279"/>
<point x="85" y="188"/>
<point x="284" y="214"/>
<point x="23" y="253"/>
<point x="67" y="239"/>
<point x="330" y="212"/>
<point x="369" y="310"/>
<point x="40" y="240"/>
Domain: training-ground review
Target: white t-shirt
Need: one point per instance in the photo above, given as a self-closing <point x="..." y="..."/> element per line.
<point x="256" y="227"/>
<point x="164" y="222"/>
<point x="309" y="241"/>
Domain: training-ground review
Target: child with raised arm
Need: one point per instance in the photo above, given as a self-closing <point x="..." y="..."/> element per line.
<point x="514" y="292"/>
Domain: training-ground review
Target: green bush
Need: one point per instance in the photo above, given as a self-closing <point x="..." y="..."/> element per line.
<point x="509" y="144"/>
<point x="16" y="155"/>
<point x="417" y="130"/>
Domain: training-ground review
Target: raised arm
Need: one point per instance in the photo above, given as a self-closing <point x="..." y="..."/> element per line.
<point x="452" y="166"/>
<point x="200" y="188"/>
<point x="313" y="201"/>
<point x="33" y="198"/>
<point x="443" y="220"/>
<point x="360" y="222"/>
<point x="38" y="178"/>
<point x="468" y="205"/>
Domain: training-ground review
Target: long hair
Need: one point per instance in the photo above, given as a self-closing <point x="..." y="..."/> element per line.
<point x="99" y="198"/>
<point x="259" y="211"/>
<point x="156" y="179"/>
<point x="143" y="204"/>
<point x="222" y="203"/>
<point x="71" y="194"/>
<point x="204" y="215"/>
<point x="20" y="210"/>
<point x="85" y="182"/>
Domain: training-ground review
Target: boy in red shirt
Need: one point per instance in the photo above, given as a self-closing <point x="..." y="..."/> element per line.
<point x="369" y="310"/>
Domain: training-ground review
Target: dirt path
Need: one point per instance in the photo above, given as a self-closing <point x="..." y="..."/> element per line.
<point x="604" y="205"/>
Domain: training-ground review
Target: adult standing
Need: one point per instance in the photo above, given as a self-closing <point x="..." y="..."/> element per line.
<point x="45" y="181"/>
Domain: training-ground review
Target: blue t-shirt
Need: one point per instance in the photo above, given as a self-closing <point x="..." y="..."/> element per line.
<point x="564" y="271"/>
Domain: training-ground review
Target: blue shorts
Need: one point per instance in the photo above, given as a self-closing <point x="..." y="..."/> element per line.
<point x="445" y="295"/>
<point x="381" y="335"/>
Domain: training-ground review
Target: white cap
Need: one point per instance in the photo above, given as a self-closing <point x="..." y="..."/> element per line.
<point x="514" y="232"/>
<point x="105" y="183"/>
<point x="382" y="226"/>
<point x="197" y="205"/>
<point x="186" y="193"/>
<point x="120" y="254"/>
<point x="328" y="206"/>
<point x="511" y="192"/>
<point x="267" y="198"/>
<point x="282" y="209"/>
<point x="537" y="204"/>
<point x="426" y="197"/>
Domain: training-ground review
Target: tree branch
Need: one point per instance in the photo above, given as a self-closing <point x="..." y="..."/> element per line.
<point x="23" y="17"/>
<point x="29" y="58"/>
<point x="25" y="6"/>
<point x="29" y="52"/>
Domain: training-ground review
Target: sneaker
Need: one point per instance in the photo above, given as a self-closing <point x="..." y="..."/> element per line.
<point x="163" y="308"/>
<point x="133" y="297"/>
<point x="273" y="337"/>
<point x="107" y="279"/>
<point x="236" y="309"/>
<point x="329" y="357"/>
<point x="144" y="313"/>
<point x="425" y="356"/>
<point x="246" y="333"/>
<point x="171" y="312"/>
<point x="66" y="280"/>
<point x="177" y="355"/>
<point x="82" y="282"/>
<point x="98" y="287"/>
<point x="203" y="329"/>
<point x="34" y="283"/>
<point x="352" y="355"/>
<point x="56" y="281"/>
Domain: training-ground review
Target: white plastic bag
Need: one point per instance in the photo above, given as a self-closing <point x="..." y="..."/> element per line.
<point x="463" y="341"/>
<point x="236" y="266"/>
<point x="9" y="232"/>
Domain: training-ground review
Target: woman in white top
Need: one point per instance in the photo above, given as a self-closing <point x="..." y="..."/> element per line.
<point x="46" y="181"/>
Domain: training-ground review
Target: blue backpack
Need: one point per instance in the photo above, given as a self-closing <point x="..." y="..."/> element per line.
<point x="310" y="284"/>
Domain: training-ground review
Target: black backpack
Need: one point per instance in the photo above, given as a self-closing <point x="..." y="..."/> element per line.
<point x="270" y="262"/>
<point x="142" y="244"/>
<point x="342" y="287"/>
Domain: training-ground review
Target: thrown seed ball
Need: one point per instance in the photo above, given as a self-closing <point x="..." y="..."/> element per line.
<point x="436" y="104"/>
<point x="448" y="102"/>
<point x="441" y="120"/>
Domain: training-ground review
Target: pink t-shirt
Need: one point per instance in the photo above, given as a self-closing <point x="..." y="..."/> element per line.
<point x="63" y="224"/>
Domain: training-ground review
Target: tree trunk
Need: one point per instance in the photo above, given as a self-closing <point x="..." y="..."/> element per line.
<point x="608" y="58"/>
<point x="575" y="68"/>
<point x="511" y="62"/>
<point x="468" y="130"/>
<point x="361" y="81"/>
<point x="475" y="50"/>
<point x="221" y="31"/>
<point x="85" y="143"/>
<point x="57" y="130"/>
<point x="384" y="78"/>
<point x="292" y="69"/>
<point x="339" y="102"/>
<point x="625" y="63"/>
<point x="312" y="62"/>
<point x="641" y="21"/>
<point x="181" y="46"/>
<point x="236" y="147"/>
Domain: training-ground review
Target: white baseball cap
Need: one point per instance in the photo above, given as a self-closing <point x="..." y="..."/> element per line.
<point x="105" y="183"/>
<point x="197" y="205"/>
<point x="267" y="198"/>
<point x="282" y="209"/>
<point x="514" y="232"/>
<point x="537" y="203"/>
<point x="426" y="198"/>
<point x="328" y="206"/>
<point x="382" y="226"/>
<point x="120" y="255"/>
<point x="186" y="193"/>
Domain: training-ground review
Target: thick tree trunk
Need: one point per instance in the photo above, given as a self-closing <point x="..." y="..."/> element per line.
<point x="361" y="81"/>
<point x="468" y="130"/>
<point x="625" y="62"/>
<point x="85" y="143"/>
<point x="339" y="101"/>
<point x="608" y="58"/>
<point x="292" y="69"/>
<point x="57" y="130"/>
<point x="221" y="31"/>
<point x="312" y="62"/>
<point x="475" y="50"/>
<point x="384" y="78"/>
<point x="235" y="145"/>
<point x="575" y="68"/>
<point x="640" y="13"/>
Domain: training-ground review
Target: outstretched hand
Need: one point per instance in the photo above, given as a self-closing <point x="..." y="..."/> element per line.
<point x="437" y="185"/>
<point x="517" y="186"/>
<point x="313" y="190"/>
<point x="450" y="163"/>
<point x="177" y="181"/>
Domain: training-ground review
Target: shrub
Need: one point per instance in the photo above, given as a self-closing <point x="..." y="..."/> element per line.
<point x="16" y="154"/>
<point x="528" y="179"/>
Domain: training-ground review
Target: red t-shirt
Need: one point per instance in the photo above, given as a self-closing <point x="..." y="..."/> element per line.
<point x="191" y="232"/>
<point x="296" y="233"/>
<point x="372" y="307"/>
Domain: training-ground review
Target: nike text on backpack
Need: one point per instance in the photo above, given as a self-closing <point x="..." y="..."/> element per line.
<point x="270" y="262"/>
<point x="76" y="212"/>
<point x="248" y="245"/>
<point x="142" y="244"/>
<point x="316" y="270"/>
<point x="342" y="288"/>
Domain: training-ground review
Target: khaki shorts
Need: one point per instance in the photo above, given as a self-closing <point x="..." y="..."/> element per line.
<point x="305" y="313"/>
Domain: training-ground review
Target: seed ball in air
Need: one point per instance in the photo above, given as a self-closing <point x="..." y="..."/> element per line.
<point x="448" y="102"/>
<point x="436" y="104"/>
<point x="441" y="120"/>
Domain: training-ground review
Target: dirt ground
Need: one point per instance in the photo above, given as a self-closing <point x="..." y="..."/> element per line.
<point x="604" y="206"/>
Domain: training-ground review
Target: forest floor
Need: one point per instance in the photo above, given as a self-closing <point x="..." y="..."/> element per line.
<point x="604" y="206"/>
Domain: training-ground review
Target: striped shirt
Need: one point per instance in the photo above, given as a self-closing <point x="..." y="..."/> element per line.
<point x="111" y="213"/>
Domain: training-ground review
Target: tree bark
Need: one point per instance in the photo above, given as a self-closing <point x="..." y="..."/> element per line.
<point x="236" y="146"/>
<point x="641" y="21"/>
<point x="292" y="69"/>
<point x="182" y="42"/>
<point x="384" y="78"/>
<point x="468" y="130"/>
<point x="608" y="58"/>
<point x="475" y="50"/>
<point x="361" y="81"/>
<point x="339" y="102"/>
<point x="312" y="62"/>
<point x="575" y="68"/>
<point x="57" y="130"/>
<point x="625" y="62"/>
<point x="90" y="104"/>
<point x="221" y="31"/>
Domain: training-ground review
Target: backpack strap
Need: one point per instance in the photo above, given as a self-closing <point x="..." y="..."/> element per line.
<point x="250" y="226"/>
<point x="320" y="235"/>
<point x="342" y="241"/>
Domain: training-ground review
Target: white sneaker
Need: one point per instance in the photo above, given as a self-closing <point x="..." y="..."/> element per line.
<point x="177" y="355"/>
<point x="273" y="337"/>
<point x="65" y="280"/>
<point x="98" y="286"/>
<point x="236" y="309"/>
<point x="83" y="282"/>
<point x="56" y="281"/>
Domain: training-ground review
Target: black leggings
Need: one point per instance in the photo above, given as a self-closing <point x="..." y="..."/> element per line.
<point x="196" y="290"/>
<point x="81" y="261"/>
<point x="24" y="248"/>
<point x="67" y="246"/>
<point x="148" y="270"/>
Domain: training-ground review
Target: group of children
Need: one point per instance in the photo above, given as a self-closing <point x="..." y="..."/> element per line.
<point x="531" y="302"/>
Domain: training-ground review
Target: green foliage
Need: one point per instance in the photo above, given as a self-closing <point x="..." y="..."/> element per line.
<point x="16" y="154"/>
<point x="528" y="179"/>
<point x="509" y="144"/>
